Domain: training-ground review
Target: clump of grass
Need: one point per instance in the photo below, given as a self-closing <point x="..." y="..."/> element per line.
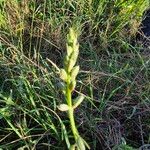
<point x="68" y="75"/>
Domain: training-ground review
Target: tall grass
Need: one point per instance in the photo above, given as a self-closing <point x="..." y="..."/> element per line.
<point x="106" y="23"/>
<point x="113" y="76"/>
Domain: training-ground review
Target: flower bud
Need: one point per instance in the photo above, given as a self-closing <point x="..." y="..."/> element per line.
<point x="63" y="75"/>
<point x="74" y="72"/>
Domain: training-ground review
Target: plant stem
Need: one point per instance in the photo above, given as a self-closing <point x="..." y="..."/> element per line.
<point x="71" y="113"/>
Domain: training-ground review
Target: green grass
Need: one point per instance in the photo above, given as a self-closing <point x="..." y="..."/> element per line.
<point x="113" y="77"/>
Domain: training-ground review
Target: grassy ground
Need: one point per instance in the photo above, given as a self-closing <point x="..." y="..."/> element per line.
<point x="114" y="74"/>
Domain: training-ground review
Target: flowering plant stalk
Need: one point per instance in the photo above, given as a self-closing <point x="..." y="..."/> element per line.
<point x="68" y="75"/>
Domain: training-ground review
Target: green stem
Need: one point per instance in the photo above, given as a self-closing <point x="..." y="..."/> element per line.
<point x="71" y="113"/>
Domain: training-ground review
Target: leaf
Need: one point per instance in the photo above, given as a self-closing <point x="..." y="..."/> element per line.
<point x="74" y="72"/>
<point x="63" y="75"/>
<point x="86" y="144"/>
<point x="63" y="107"/>
<point x="78" y="101"/>
<point x="80" y="143"/>
<point x="73" y="147"/>
<point x="72" y="85"/>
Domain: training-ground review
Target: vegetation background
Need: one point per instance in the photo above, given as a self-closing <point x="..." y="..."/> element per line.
<point x="114" y="75"/>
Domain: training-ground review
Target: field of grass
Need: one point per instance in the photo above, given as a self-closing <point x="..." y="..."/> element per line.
<point x="114" y="75"/>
